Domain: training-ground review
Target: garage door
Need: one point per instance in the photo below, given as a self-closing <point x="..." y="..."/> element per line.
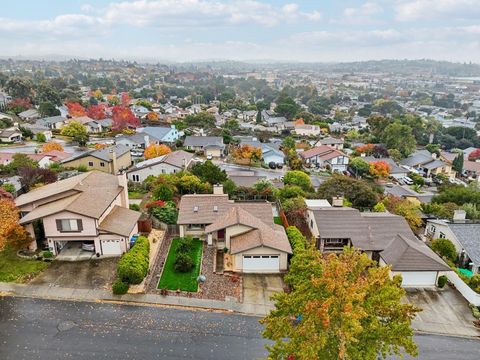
<point x="261" y="263"/>
<point x="111" y="247"/>
<point x="419" y="278"/>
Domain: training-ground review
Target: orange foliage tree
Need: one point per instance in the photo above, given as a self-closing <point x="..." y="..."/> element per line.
<point x="154" y="150"/>
<point x="379" y="169"/>
<point x="249" y="152"/>
<point x="474" y="155"/>
<point x="96" y="112"/>
<point x="52" y="145"/>
<point x="152" y="116"/>
<point x="123" y="118"/>
<point x="299" y="121"/>
<point x="100" y="146"/>
<point x="75" y="109"/>
<point x="125" y="99"/>
<point x="365" y="149"/>
<point x="11" y="232"/>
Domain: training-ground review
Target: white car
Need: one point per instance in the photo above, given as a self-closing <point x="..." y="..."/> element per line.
<point x="407" y="180"/>
<point x="209" y="157"/>
<point x="88" y="246"/>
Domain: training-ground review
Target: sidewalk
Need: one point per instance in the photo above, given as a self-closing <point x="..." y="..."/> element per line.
<point x="62" y="293"/>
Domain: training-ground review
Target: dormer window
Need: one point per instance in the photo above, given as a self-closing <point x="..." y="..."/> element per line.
<point x="195" y="209"/>
<point x="215" y="208"/>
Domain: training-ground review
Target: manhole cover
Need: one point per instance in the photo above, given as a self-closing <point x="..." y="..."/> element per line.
<point x="66" y="325"/>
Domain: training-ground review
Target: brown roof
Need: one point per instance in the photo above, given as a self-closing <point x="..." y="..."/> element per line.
<point x="205" y="205"/>
<point x="325" y="152"/>
<point x="120" y="221"/>
<point x="177" y="158"/>
<point x="367" y="231"/>
<point x="95" y="190"/>
<point x="271" y="238"/>
<point x="471" y="166"/>
<point x="405" y="254"/>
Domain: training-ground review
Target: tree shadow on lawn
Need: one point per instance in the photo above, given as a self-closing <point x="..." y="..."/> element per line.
<point x="175" y="280"/>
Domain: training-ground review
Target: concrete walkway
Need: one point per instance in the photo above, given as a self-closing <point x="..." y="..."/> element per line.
<point x="62" y="293"/>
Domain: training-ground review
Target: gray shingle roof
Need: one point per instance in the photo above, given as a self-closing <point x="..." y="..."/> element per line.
<point x="417" y="158"/>
<point x="405" y="254"/>
<point x="468" y="235"/>
<point x="155" y="131"/>
<point x="102" y="154"/>
<point x="204" y="141"/>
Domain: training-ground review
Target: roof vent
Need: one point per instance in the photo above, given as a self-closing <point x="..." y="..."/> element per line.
<point x="215" y="208"/>
<point x="195" y="209"/>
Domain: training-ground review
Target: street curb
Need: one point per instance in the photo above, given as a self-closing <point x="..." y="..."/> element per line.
<point x="421" y="332"/>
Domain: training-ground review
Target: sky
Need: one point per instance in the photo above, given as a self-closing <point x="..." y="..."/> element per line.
<point x="193" y="30"/>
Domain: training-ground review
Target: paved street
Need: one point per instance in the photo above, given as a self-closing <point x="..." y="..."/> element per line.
<point x="29" y="147"/>
<point x="43" y="329"/>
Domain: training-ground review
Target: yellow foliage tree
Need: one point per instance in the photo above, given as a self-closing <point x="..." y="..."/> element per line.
<point x="11" y="232"/>
<point x="97" y="94"/>
<point x="249" y="152"/>
<point x="154" y="150"/>
<point x="52" y="145"/>
<point x="152" y="116"/>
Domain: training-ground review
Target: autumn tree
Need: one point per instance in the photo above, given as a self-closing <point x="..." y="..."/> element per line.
<point x="405" y="208"/>
<point x="379" y="169"/>
<point x="342" y="306"/>
<point x="31" y="177"/>
<point x="96" y="112"/>
<point x="11" y="233"/>
<point x="75" y="109"/>
<point x="52" y="145"/>
<point x="156" y="150"/>
<point x="366" y="149"/>
<point x="152" y="116"/>
<point x="123" y="118"/>
<point x="248" y="152"/>
<point x="474" y="155"/>
<point x="125" y="99"/>
<point x="18" y="105"/>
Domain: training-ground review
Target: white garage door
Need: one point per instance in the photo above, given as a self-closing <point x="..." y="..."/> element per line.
<point x="261" y="263"/>
<point x="111" y="247"/>
<point x="419" y="278"/>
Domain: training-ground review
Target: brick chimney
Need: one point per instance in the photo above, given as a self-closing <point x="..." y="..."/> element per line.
<point x="337" y="201"/>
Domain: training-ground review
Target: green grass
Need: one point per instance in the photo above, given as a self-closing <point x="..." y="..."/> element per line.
<point x="15" y="269"/>
<point x="277" y="220"/>
<point x="135" y="195"/>
<point x="173" y="280"/>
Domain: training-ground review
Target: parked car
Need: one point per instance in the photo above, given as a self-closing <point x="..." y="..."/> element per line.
<point x="209" y="157"/>
<point x="407" y="180"/>
<point x="272" y="165"/>
<point x="88" y="246"/>
<point x="137" y="153"/>
<point x="279" y="166"/>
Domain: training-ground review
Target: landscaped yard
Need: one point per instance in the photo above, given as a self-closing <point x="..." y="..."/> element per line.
<point x="185" y="281"/>
<point x="277" y="220"/>
<point x="136" y="195"/>
<point x="15" y="269"/>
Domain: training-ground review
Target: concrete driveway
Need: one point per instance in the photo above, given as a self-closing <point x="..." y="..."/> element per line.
<point x="444" y="312"/>
<point x="90" y="274"/>
<point x="257" y="291"/>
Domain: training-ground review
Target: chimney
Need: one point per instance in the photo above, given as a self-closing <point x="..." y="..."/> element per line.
<point x="459" y="216"/>
<point x="113" y="156"/>
<point x="218" y="189"/>
<point x="337" y="201"/>
<point x="123" y="182"/>
<point x="146" y="140"/>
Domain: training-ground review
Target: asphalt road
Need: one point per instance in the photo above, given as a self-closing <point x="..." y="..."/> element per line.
<point x="47" y="330"/>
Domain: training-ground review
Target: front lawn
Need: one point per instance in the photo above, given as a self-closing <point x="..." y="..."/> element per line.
<point x="15" y="269"/>
<point x="185" y="281"/>
<point x="136" y="194"/>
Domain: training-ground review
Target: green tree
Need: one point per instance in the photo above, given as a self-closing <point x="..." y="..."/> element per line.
<point x="19" y="161"/>
<point x="458" y="163"/>
<point x="47" y="93"/>
<point x="47" y="109"/>
<point x="400" y="137"/>
<point x="290" y="191"/>
<point x="18" y="87"/>
<point x="341" y="307"/>
<point x="77" y="131"/>
<point x="209" y="172"/>
<point x="444" y="248"/>
<point x="359" y="166"/>
<point x="163" y="192"/>
<point x="288" y="143"/>
<point x="298" y="178"/>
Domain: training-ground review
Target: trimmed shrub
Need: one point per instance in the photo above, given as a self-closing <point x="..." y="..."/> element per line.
<point x="475" y="311"/>
<point x="442" y="281"/>
<point x="133" y="265"/>
<point x="183" y="262"/>
<point x="184" y="245"/>
<point x="135" y="207"/>
<point x="163" y="192"/>
<point x="296" y="238"/>
<point x="47" y="254"/>
<point x="444" y="248"/>
<point x="120" y="287"/>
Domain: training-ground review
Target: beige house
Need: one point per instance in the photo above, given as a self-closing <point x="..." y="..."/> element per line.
<point x="90" y="208"/>
<point x="254" y="243"/>
<point x="208" y="145"/>
<point x="307" y="130"/>
<point x="110" y="160"/>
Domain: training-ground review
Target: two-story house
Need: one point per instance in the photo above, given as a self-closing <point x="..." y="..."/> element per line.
<point x="384" y="237"/>
<point x="254" y="243"/>
<point x="90" y="208"/>
<point x="162" y="134"/>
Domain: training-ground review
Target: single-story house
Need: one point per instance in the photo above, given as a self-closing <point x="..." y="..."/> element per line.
<point x="405" y="192"/>
<point x="29" y="115"/>
<point x="136" y="141"/>
<point x="208" y="145"/>
<point x="99" y="126"/>
<point x="270" y="151"/>
<point x="40" y="129"/>
<point x="332" y="142"/>
<point x="464" y="235"/>
<point x="10" y="135"/>
<point x="396" y="171"/>
<point x="110" y="159"/>
<point x="90" y="207"/>
<point x="43" y="160"/>
<point x="427" y="164"/>
<point x="255" y="243"/>
<point x="307" y="130"/>
<point x="163" y="134"/>
<point x="52" y="122"/>
<point x="166" y="164"/>
<point x="471" y="168"/>
<point x="384" y="237"/>
<point x="326" y="157"/>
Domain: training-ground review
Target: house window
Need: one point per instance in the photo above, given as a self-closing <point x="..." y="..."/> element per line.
<point x="102" y="164"/>
<point x="90" y="163"/>
<point x="311" y="224"/>
<point x="195" y="227"/>
<point x="334" y="242"/>
<point x="69" y="225"/>
<point x="136" y="177"/>
<point x="442" y="235"/>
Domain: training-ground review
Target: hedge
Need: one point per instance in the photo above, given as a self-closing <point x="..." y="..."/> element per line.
<point x="133" y="265"/>
<point x="296" y="238"/>
<point x="120" y="287"/>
